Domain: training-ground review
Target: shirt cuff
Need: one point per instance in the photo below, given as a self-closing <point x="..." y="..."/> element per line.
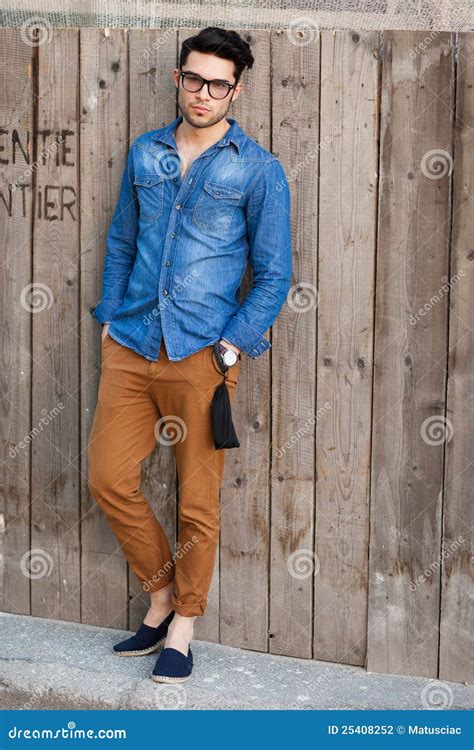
<point x="239" y="333"/>
<point x="100" y="314"/>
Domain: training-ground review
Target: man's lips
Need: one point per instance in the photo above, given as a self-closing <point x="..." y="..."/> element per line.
<point x="199" y="109"/>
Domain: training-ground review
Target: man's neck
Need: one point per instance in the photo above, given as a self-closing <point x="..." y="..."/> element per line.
<point x="196" y="140"/>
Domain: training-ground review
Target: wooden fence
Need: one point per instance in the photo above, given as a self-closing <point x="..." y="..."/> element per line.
<point x="347" y="510"/>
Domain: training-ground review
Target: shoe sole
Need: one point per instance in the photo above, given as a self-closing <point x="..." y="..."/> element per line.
<point x="164" y="678"/>
<point x="143" y="652"/>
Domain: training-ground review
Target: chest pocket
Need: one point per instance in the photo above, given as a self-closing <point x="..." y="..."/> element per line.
<point x="215" y="207"/>
<point x="149" y="189"/>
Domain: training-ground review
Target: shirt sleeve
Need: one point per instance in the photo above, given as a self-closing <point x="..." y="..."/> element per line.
<point x="121" y="247"/>
<point x="270" y="252"/>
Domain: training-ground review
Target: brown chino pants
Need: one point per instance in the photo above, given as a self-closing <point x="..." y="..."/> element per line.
<point x="139" y="404"/>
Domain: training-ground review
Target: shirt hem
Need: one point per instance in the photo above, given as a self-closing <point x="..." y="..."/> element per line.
<point x="150" y="359"/>
<point x="130" y="347"/>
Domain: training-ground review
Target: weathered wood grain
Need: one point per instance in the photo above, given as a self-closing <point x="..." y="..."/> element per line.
<point x="55" y="458"/>
<point x="457" y="592"/>
<point x="347" y="232"/>
<point x="104" y="146"/>
<point x="17" y="180"/>
<point x="295" y="137"/>
<point x="410" y="353"/>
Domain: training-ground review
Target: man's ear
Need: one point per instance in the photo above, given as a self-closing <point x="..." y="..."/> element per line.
<point x="236" y="91"/>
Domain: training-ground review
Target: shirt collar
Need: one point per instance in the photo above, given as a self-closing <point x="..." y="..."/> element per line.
<point x="234" y="134"/>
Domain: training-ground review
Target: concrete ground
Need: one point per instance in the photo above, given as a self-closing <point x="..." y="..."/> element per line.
<point x="50" y="664"/>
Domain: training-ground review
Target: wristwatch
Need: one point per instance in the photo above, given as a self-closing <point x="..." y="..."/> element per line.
<point x="225" y="357"/>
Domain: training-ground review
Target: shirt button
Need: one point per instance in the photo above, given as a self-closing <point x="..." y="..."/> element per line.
<point x="168" y="263"/>
<point x="178" y="206"/>
<point x="165" y="292"/>
<point x="173" y="235"/>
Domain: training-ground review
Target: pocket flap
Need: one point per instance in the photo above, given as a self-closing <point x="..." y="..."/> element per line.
<point x="222" y="191"/>
<point x="148" y="180"/>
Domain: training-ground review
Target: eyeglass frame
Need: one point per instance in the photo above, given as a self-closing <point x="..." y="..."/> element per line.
<point x="204" y="81"/>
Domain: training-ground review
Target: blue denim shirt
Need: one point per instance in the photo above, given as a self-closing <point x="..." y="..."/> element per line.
<point x="177" y="249"/>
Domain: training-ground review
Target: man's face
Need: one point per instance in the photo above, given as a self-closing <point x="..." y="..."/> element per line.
<point x="199" y="108"/>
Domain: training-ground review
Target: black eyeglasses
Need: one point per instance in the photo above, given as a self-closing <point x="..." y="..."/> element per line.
<point x="193" y="82"/>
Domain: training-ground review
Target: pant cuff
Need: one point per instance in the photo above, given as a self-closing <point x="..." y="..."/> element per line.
<point x="188" y="610"/>
<point x="150" y="586"/>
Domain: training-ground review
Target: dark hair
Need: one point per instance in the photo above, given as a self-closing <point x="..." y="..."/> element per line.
<point x="221" y="43"/>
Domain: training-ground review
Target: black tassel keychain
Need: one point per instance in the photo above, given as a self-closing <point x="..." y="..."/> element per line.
<point x="222" y="425"/>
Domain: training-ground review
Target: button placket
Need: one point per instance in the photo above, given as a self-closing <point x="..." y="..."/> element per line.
<point x="180" y="198"/>
<point x="186" y="185"/>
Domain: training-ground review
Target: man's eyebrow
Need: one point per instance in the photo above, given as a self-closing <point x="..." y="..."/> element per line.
<point x="224" y="80"/>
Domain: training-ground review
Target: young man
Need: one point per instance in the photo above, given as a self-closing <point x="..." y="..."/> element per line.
<point x="198" y="199"/>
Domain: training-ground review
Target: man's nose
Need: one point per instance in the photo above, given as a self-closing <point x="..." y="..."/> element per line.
<point x="203" y="94"/>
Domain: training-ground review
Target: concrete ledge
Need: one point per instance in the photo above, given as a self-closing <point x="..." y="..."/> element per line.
<point x="51" y="664"/>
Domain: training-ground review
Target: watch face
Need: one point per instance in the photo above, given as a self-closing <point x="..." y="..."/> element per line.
<point x="230" y="357"/>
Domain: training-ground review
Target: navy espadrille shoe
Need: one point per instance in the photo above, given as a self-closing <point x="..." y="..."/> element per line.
<point x="173" y="666"/>
<point x="146" y="640"/>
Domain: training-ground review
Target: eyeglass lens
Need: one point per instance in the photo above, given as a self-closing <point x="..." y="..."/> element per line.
<point x="193" y="83"/>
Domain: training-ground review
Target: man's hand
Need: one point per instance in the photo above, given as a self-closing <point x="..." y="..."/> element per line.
<point x="105" y="330"/>
<point x="228" y="345"/>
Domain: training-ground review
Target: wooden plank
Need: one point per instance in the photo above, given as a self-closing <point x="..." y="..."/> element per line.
<point x="410" y="354"/>
<point x="245" y="500"/>
<point x="348" y="209"/>
<point x="153" y="96"/>
<point x="17" y="181"/>
<point x="104" y="146"/>
<point x="457" y="611"/>
<point x="55" y="482"/>
<point x="152" y="55"/>
<point x="295" y="138"/>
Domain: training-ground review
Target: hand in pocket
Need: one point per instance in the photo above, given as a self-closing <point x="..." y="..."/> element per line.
<point x="105" y="330"/>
